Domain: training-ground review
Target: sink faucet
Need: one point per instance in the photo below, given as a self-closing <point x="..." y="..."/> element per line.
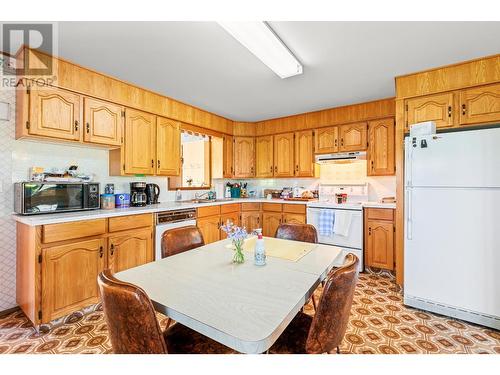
<point x="199" y="195"/>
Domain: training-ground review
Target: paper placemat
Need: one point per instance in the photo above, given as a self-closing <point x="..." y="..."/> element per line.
<point x="278" y="248"/>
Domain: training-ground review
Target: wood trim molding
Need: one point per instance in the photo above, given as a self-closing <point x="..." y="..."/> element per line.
<point x="481" y="71"/>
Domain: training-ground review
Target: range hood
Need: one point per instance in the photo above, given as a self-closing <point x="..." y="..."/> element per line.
<point x="331" y="158"/>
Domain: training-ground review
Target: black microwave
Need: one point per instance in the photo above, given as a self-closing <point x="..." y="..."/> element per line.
<point x="49" y="197"/>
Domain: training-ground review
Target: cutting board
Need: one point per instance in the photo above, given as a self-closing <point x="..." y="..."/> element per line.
<point x="284" y="249"/>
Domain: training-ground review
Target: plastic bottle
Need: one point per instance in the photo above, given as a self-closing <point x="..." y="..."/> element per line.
<point x="260" y="251"/>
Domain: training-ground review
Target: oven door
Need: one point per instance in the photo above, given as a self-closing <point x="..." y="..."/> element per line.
<point x="39" y="198"/>
<point x="353" y="240"/>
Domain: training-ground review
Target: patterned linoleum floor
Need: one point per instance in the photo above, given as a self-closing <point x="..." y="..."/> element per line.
<point x="379" y="324"/>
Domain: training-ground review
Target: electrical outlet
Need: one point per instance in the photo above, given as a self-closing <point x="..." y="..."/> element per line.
<point x="4" y="111"/>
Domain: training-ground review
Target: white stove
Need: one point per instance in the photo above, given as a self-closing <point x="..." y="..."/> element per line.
<point x="351" y="240"/>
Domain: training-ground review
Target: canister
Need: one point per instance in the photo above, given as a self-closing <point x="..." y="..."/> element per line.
<point x="107" y="201"/>
<point x="122" y="200"/>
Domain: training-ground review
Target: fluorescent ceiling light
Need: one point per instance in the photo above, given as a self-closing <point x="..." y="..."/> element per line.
<point x="265" y="44"/>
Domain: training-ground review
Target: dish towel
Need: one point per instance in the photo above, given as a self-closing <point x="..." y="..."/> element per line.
<point x="342" y="223"/>
<point x="326" y="222"/>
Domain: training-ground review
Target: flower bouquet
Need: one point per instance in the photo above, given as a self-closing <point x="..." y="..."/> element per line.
<point x="237" y="235"/>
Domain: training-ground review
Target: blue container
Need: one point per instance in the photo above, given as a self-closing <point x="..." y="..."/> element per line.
<point x="122" y="200"/>
<point x="235" y="192"/>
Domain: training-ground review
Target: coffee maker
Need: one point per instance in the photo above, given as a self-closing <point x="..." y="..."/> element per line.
<point x="138" y="196"/>
<point x="152" y="193"/>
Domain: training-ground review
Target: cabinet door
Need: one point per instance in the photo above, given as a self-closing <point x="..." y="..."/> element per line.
<point x="437" y="108"/>
<point x="480" y="105"/>
<point x="270" y="223"/>
<point x="69" y="277"/>
<point x="264" y="156"/>
<point x="353" y="137"/>
<point x="168" y="147"/>
<point x="284" y="155"/>
<point x="380" y="244"/>
<point x="294" y="218"/>
<point x="244" y="157"/>
<point x="227" y="157"/>
<point x="55" y="113"/>
<point x="381" y="149"/>
<point x="233" y="217"/>
<point x="251" y="220"/>
<point x="209" y="228"/>
<point x="140" y="144"/>
<point x="326" y="140"/>
<point x="304" y="154"/>
<point x="130" y="249"/>
<point x="103" y="122"/>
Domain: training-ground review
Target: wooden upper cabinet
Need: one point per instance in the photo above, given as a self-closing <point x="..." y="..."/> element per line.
<point x="168" y="147"/>
<point x="69" y="277"/>
<point x="437" y="108"/>
<point x="264" y="166"/>
<point x="54" y="113"/>
<point x="244" y="157"/>
<point x="379" y="237"/>
<point x="480" y="105"/>
<point x="381" y="151"/>
<point x="326" y="140"/>
<point x="130" y="249"/>
<point x="353" y="137"/>
<point x="284" y="155"/>
<point x="103" y="122"/>
<point x="140" y="145"/>
<point x="227" y="156"/>
<point x="304" y="154"/>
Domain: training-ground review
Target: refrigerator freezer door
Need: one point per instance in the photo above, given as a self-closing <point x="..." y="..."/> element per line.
<point x="460" y="159"/>
<point x="453" y="256"/>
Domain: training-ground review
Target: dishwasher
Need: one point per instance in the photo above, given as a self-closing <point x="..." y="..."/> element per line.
<point x="167" y="220"/>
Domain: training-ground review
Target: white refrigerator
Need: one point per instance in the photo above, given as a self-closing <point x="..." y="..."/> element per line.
<point x="452" y="225"/>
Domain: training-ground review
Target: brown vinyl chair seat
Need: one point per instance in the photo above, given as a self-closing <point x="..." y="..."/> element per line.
<point x="134" y="329"/>
<point x="178" y="240"/>
<point x="324" y="332"/>
<point x="297" y="232"/>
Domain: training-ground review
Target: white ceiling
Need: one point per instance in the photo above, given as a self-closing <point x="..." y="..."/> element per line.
<point x="344" y="62"/>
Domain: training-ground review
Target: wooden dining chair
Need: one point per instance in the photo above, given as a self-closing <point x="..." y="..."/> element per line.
<point x="324" y="332"/>
<point x="178" y="240"/>
<point x="133" y="327"/>
<point x="297" y="232"/>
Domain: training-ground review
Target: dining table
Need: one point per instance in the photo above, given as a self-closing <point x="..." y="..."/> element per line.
<point x="241" y="305"/>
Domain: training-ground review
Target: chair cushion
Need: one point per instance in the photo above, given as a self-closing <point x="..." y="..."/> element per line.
<point x="293" y="339"/>
<point x="183" y="340"/>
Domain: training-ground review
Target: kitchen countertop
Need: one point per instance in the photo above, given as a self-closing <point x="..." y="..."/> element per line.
<point x="43" y="219"/>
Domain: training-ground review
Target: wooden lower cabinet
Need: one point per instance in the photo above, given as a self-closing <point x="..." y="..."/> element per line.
<point x="69" y="277"/>
<point x="379" y="238"/>
<point x="251" y="220"/>
<point x="294" y="218"/>
<point x="270" y="223"/>
<point x="233" y="217"/>
<point x="209" y="228"/>
<point x="130" y="249"/>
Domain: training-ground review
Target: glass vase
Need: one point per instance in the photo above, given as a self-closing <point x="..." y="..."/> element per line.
<point x="238" y="256"/>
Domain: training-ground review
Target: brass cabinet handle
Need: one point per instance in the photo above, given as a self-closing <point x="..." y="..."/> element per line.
<point x="101" y="252"/>
<point x="76" y="125"/>
<point x="158" y="163"/>
<point x="271" y="169"/>
<point x="463" y="109"/>
<point x="251" y="170"/>
<point x="372" y="165"/>
<point x="341" y="141"/>
<point x="336" y="142"/>
<point x="449" y="111"/>
<point x="258" y="220"/>
<point x="152" y="163"/>
<point x="297" y="168"/>
<point x="87" y="125"/>
<point x="112" y="248"/>
<point x="275" y="169"/>
<point x="369" y="231"/>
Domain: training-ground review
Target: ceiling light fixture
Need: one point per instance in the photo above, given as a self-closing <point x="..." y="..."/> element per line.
<point x="261" y="40"/>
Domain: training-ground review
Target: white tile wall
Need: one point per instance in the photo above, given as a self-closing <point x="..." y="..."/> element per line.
<point x="7" y="227"/>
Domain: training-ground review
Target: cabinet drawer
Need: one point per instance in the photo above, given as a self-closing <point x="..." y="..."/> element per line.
<point x="380" y="214"/>
<point x="250" y="207"/>
<point x="294" y="208"/>
<point x="272" y="207"/>
<point x="130" y="222"/>
<point x="72" y="230"/>
<point x="208" y="211"/>
<point x="227" y="208"/>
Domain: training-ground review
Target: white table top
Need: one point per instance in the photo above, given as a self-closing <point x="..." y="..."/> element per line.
<point x="242" y="306"/>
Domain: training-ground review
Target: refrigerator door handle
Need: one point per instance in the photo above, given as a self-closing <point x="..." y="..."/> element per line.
<point x="409" y="208"/>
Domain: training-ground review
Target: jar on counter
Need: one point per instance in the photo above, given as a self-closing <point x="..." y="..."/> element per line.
<point x="107" y="201"/>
